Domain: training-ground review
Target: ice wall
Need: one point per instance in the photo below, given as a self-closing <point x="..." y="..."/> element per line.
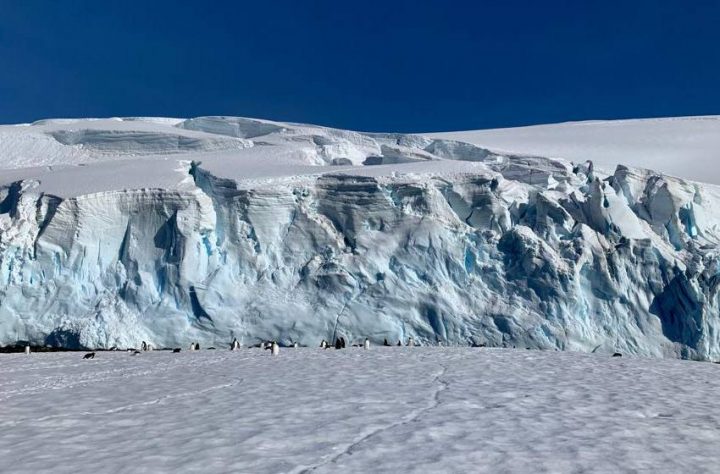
<point x="527" y="252"/>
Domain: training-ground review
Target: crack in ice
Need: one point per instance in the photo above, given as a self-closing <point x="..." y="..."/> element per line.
<point x="442" y="385"/>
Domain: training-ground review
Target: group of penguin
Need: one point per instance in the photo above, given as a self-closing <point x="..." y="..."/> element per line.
<point x="272" y="346"/>
<point x="341" y="344"/>
<point x="410" y="343"/>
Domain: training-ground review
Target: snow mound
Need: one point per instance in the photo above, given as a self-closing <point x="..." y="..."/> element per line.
<point x="233" y="126"/>
<point x="75" y="141"/>
<point x="139" y="142"/>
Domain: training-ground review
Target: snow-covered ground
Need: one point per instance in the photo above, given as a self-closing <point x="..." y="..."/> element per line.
<point x="71" y="157"/>
<point x="383" y="410"/>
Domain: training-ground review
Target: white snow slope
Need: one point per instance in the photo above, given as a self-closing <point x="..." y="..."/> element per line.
<point x="115" y="231"/>
<point x="688" y="147"/>
<point x="383" y="410"/>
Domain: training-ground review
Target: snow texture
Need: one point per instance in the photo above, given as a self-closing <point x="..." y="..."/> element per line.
<point x="115" y="231"/>
<point x="382" y="410"/>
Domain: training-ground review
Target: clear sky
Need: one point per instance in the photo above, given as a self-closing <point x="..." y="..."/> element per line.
<point x="421" y="65"/>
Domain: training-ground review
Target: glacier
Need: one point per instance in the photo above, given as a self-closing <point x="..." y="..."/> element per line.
<point x="172" y="231"/>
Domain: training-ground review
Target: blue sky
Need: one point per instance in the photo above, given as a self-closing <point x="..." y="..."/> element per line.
<point x="365" y="65"/>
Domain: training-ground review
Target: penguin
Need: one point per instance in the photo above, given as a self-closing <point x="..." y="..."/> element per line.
<point x="296" y="345"/>
<point x="617" y="354"/>
<point x="89" y="355"/>
<point x="192" y="346"/>
<point x="342" y="342"/>
<point x="274" y="348"/>
<point x="411" y="342"/>
<point x="386" y="343"/>
<point x="27" y="349"/>
<point x="338" y="344"/>
<point x="323" y="344"/>
<point x="235" y="345"/>
<point x="197" y="346"/>
<point x="149" y="347"/>
<point x="399" y="343"/>
<point x="144" y="346"/>
<point x="176" y="350"/>
<point x="366" y="344"/>
<point x="134" y="353"/>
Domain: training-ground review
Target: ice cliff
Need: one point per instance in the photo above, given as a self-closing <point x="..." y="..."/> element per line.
<point x="170" y="231"/>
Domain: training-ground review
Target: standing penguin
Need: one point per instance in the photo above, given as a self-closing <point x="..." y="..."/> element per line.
<point x="323" y="344"/>
<point x="411" y="342"/>
<point x="275" y="349"/>
<point x="296" y="345"/>
<point x="338" y="344"/>
<point x="399" y="343"/>
<point x="235" y="345"/>
<point x="27" y="349"/>
<point x="144" y="346"/>
<point x="386" y="343"/>
<point x="366" y="344"/>
<point x="342" y="342"/>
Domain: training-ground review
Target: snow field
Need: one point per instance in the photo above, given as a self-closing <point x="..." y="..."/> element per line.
<point x="686" y="147"/>
<point x="382" y="410"/>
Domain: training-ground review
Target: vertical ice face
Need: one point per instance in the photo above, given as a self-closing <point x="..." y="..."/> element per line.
<point x="452" y="244"/>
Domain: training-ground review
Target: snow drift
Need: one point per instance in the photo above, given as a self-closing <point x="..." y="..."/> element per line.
<point x="170" y="231"/>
